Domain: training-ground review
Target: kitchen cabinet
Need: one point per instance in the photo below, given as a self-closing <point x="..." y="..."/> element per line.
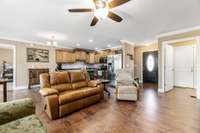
<point x="87" y="59"/>
<point x="73" y="57"/>
<point x="91" y="58"/>
<point x="81" y="55"/>
<point x="59" y="56"/>
<point x="97" y="57"/>
<point x="65" y="56"/>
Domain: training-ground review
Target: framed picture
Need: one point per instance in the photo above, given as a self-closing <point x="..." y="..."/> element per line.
<point x="37" y="55"/>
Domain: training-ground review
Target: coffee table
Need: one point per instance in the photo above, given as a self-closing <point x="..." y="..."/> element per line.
<point x="105" y="82"/>
<point x="4" y="83"/>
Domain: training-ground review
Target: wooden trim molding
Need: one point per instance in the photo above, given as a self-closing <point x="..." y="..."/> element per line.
<point x="178" y="32"/>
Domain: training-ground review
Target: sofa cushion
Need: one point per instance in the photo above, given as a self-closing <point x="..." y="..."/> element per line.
<point x="94" y="83"/>
<point x="62" y="87"/>
<point x="89" y="91"/>
<point x="59" y="78"/>
<point x="77" y="76"/>
<point x="87" y="76"/>
<point x="73" y="95"/>
<point x="80" y="84"/>
<point x="70" y="96"/>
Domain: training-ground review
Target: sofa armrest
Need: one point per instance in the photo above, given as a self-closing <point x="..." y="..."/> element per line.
<point x="51" y="106"/>
<point x="48" y="91"/>
<point x="15" y="110"/>
<point x="94" y="83"/>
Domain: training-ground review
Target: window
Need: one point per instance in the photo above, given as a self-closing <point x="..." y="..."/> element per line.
<point x="150" y="63"/>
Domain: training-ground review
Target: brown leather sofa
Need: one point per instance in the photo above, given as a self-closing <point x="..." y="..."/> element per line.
<point x="65" y="92"/>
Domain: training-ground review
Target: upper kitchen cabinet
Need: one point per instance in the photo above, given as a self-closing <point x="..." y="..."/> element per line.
<point x="65" y="56"/>
<point x="97" y="57"/>
<point x="80" y="55"/>
<point x="59" y="56"/>
<point x="91" y="58"/>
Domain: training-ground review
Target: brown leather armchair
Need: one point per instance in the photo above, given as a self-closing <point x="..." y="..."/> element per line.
<point x="65" y="92"/>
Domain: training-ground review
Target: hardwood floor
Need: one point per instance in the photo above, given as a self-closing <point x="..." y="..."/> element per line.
<point x="173" y="112"/>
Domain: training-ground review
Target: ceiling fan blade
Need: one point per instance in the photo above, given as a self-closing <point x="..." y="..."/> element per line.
<point x="116" y="3"/>
<point x="94" y="21"/>
<point x="80" y="10"/>
<point x="114" y="17"/>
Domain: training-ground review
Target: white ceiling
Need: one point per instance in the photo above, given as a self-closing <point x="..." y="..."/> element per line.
<point x="37" y="20"/>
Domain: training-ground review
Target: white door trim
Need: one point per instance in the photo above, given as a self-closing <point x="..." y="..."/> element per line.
<point x="178" y="32"/>
<point x="167" y="84"/>
<point x="13" y="47"/>
<point x="198" y="68"/>
<point x="162" y="88"/>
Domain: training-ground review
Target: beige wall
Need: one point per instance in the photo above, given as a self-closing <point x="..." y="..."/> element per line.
<point x="191" y="34"/>
<point x="138" y="57"/>
<point x="6" y="55"/>
<point x="22" y="65"/>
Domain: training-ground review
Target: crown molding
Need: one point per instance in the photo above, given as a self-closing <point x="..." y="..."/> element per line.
<point x="114" y="47"/>
<point x="20" y="41"/>
<point x="129" y="42"/>
<point x="143" y="44"/>
<point x="178" y="32"/>
<point x="13" y="40"/>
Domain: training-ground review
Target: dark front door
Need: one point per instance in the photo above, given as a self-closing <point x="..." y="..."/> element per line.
<point x="150" y="67"/>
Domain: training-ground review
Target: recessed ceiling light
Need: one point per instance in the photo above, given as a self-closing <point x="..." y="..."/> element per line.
<point x="147" y="44"/>
<point x="90" y="40"/>
<point x="109" y="45"/>
<point x="96" y="48"/>
<point x="78" y="44"/>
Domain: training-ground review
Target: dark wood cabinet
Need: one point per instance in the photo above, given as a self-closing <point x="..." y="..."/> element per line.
<point x="34" y="76"/>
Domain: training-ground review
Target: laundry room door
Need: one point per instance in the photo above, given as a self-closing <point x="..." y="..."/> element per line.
<point x="184" y="66"/>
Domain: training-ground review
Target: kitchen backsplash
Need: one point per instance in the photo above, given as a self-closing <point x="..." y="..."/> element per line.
<point x="79" y="64"/>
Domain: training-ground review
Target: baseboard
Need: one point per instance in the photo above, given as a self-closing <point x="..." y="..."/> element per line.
<point x="25" y="87"/>
<point x="21" y="87"/>
<point x="198" y="94"/>
<point x="161" y="90"/>
<point x="182" y="87"/>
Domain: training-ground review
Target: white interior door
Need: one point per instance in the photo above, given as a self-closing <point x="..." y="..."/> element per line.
<point x="169" y="67"/>
<point x="184" y="66"/>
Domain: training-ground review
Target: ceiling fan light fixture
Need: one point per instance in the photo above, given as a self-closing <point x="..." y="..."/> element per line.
<point x="101" y="3"/>
<point x="101" y="13"/>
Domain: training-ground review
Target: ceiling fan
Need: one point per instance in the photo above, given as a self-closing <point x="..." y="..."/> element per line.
<point x="102" y="10"/>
